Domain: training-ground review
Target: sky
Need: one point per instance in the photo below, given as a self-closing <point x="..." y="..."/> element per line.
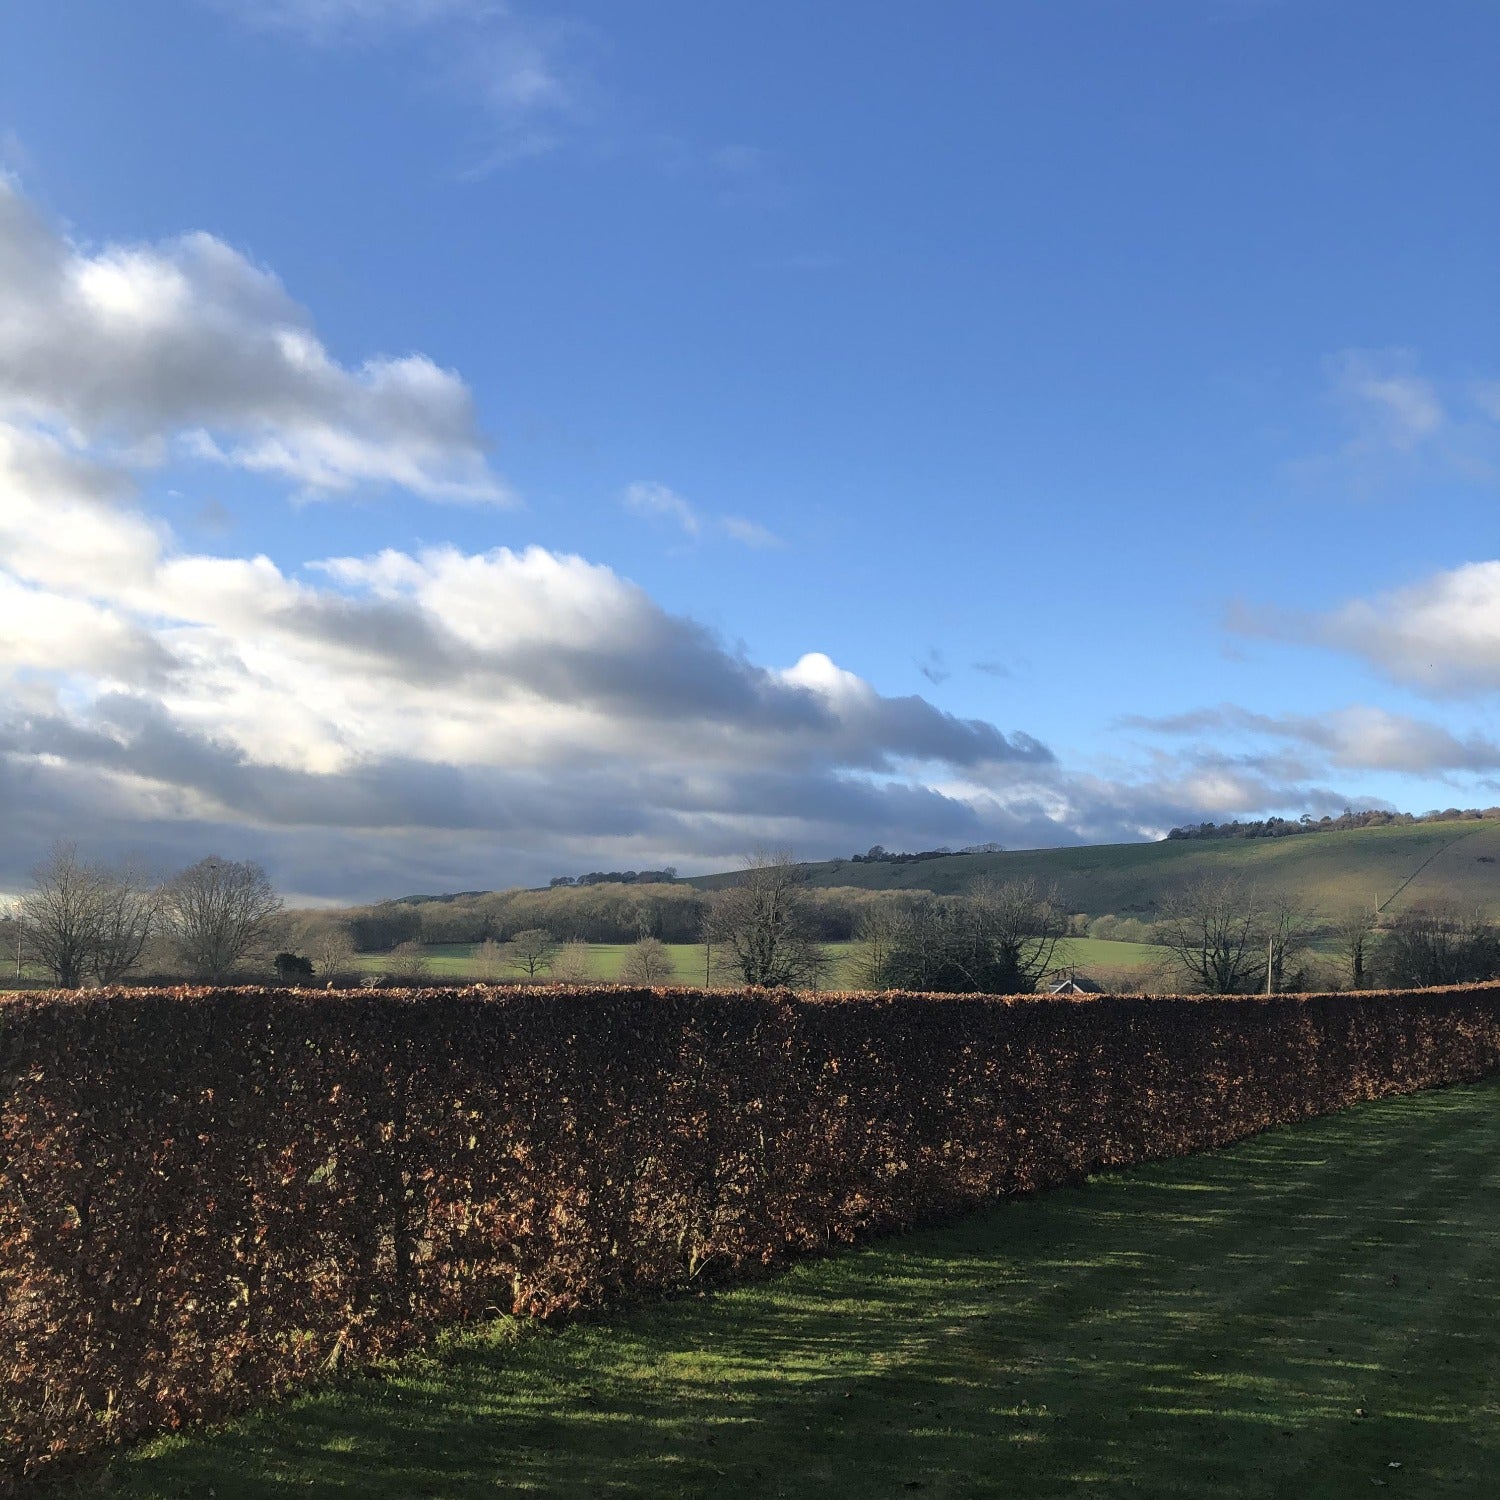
<point x="446" y="444"/>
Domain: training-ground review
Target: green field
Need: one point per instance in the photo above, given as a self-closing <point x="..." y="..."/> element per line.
<point x="455" y="961"/>
<point x="1312" y="1313"/>
<point x="1390" y="868"/>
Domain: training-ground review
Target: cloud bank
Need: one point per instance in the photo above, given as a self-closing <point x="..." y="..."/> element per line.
<point x="433" y="718"/>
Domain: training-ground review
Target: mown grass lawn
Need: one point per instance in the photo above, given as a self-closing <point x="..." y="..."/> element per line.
<point x="1314" y="1312"/>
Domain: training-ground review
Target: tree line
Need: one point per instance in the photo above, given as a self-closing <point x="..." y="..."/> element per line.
<point x="597" y="913"/>
<point x="1225" y="936"/>
<point x="878" y="854"/>
<point x="1276" y="828"/>
<point x="93" y="922"/>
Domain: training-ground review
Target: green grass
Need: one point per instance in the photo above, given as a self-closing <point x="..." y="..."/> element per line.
<point x="456" y="961"/>
<point x="1312" y="1313"/>
<point x="1094" y="956"/>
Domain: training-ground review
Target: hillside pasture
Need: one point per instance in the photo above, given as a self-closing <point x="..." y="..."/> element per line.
<point x="1389" y="868"/>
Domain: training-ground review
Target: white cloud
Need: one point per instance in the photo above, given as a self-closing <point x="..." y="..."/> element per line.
<point x="657" y="502"/>
<point x="150" y="693"/>
<point x="647" y="498"/>
<point x="1441" y="635"/>
<point x="189" y="340"/>
<point x="749" y="533"/>
<point x="48" y="632"/>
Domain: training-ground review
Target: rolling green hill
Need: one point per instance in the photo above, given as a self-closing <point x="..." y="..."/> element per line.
<point x="1390" y="868"/>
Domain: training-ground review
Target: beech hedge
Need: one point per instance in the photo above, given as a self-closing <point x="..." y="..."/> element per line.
<point x="212" y="1195"/>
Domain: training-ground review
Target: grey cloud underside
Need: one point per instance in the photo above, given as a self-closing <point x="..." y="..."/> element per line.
<point x="391" y="827"/>
<point x="664" y="669"/>
<point x="137" y="783"/>
<point x="135" y="737"/>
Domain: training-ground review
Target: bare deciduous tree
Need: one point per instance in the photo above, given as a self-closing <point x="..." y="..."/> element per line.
<point x="1352" y="934"/>
<point x="647" y="962"/>
<point x="87" y="921"/>
<point x="220" y="913"/>
<point x="129" y="915"/>
<point x="1289" y="928"/>
<point x="531" y="952"/>
<point x="875" y="931"/>
<point x="996" y="938"/>
<point x="60" y="916"/>
<point x="571" y="966"/>
<point x="1431" y="945"/>
<point x="1213" y="931"/>
<point x="12" y="939"/>
<point x="1010" y="935"/>
<point x="489" y="960"/>
<point x="330" y="945"/>
<point x="761" y="927"/>
<point x="408" y="961"/>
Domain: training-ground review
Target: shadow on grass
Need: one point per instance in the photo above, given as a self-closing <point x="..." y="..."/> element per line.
<point x="1315" y="1312"/>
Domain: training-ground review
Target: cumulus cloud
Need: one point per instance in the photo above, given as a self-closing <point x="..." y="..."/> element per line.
<point x="533" y="695"/>
<point x="190" y="341"/>
<point x="450" y="719"/>
<point x="511" y="704"/>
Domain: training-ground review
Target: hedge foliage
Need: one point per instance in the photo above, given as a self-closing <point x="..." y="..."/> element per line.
<point x="212" y="1195"/>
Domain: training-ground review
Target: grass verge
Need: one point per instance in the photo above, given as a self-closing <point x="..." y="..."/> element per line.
<point x="1314" y="1312"/>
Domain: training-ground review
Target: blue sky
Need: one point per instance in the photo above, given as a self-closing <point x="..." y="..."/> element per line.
<point x="446" y="443"/>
